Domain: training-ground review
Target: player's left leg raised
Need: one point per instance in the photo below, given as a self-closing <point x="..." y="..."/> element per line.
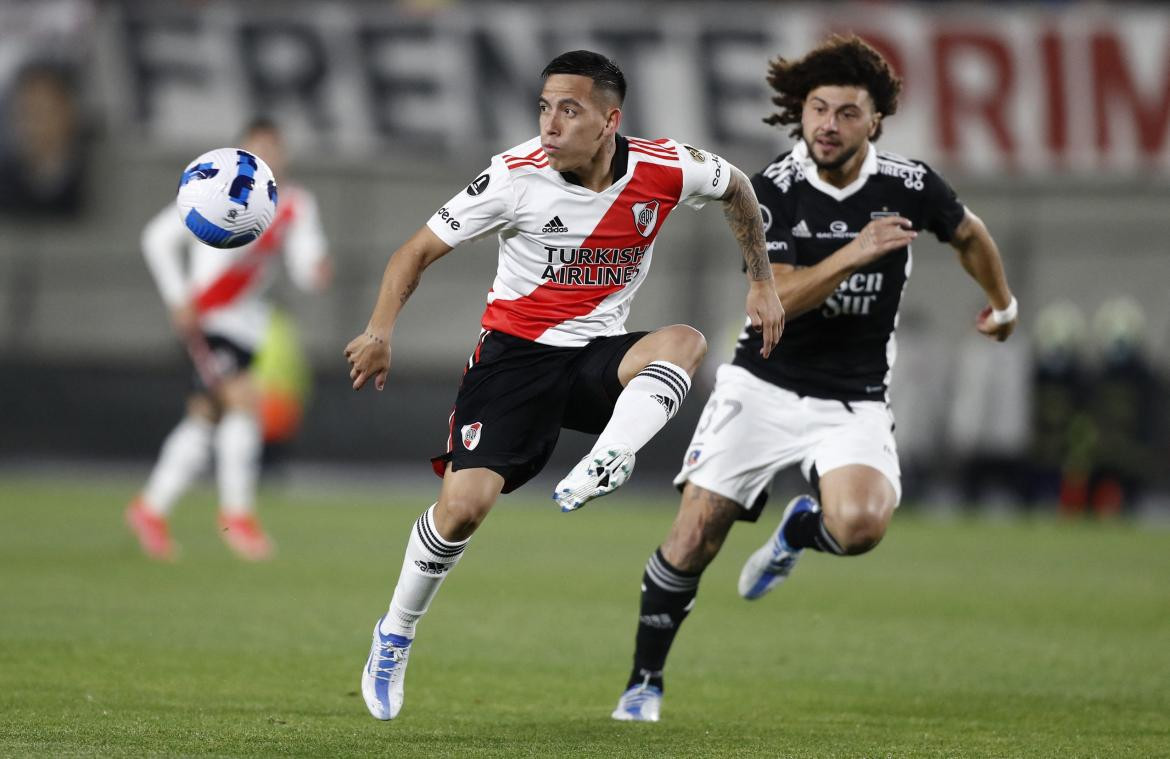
<point x="657" y="371"/>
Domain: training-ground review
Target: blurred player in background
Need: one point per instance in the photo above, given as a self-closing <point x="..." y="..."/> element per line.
<point x="1062" y="429"/>
<point x="217" y="305"/>
<point x="1125" y="408"/>
<point x="839" y="219"/>
<point x="577" y="210"/>
<point x="285" y="379"/>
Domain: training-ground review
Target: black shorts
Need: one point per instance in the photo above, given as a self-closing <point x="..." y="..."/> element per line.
<point x="217" y="358"/>
<point x="516" y="395"/>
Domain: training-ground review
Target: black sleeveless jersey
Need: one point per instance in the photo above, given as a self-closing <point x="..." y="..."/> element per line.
<point x="843" y="349"/>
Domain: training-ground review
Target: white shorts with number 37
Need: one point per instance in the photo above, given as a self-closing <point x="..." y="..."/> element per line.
<point x="751" y="429"/>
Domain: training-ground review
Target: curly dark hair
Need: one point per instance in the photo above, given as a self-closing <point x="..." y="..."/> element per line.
<point x="840" y="61"/>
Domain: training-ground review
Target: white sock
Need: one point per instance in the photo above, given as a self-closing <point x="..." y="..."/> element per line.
<point x="237" y="450"/>
<point x="646" y="404"/>
<point x="429" y="558"/>
<point x="183" y="457"/>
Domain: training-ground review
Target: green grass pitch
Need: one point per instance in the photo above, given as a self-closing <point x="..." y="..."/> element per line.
<point x="964" y="638"/>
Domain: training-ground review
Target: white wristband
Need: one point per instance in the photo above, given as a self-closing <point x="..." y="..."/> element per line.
<point x="1007" y="315"/>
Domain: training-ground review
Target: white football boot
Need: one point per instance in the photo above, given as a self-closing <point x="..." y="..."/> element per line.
<point x="384" y="676"/>
<point x="599" y="473"/>
<point x="640" y="703"/>
<point x="772" y="562"/>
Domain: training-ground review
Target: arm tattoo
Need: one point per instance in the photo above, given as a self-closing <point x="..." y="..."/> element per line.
<point x="743" y="216"/>
<point x="410" y="287"/>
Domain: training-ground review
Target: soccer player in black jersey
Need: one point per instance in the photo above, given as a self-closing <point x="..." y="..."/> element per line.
<point x="839" y="219"/>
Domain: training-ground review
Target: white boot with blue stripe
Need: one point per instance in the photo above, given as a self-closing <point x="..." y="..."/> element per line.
<point x="771" y="564"/>
<point x="384" y="677"/>
<point x="640" y="703"/>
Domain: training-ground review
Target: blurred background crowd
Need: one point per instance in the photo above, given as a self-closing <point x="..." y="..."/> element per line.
<point x="1052" y="120"/>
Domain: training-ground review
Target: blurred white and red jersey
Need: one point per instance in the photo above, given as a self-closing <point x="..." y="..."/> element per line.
<point x="571" y="259"/>
<point x="227" y="287"/>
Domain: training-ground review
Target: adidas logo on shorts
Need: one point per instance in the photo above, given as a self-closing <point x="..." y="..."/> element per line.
<point x="555" y="225"/>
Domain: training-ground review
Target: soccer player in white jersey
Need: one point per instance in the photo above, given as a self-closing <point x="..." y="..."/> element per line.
<point x="217" y="307"/>
<point x="840" y="217"/>
<point x="576" y="211"/>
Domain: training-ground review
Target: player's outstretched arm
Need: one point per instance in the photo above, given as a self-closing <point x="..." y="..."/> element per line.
<point x="743" y="216"/>
<point x="164" y="240"/>
<point x="980" y="257"/>
<point x="807" y="288"/>
<point x="369" y="353"/>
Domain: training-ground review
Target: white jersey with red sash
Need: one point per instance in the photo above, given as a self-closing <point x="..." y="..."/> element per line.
<point x="227" y="286"/>
<point x="570" y="259"/>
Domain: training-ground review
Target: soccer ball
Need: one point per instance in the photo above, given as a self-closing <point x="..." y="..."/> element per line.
<point x="227" y="197"/>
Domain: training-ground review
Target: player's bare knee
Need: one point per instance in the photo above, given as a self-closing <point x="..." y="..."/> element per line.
<point x="203" y="407"/>
<point x="862" y="532"/>
<point x="680" y="344"/>
<point x="691" y="345"/>
<point x="457" y="516"/>
<point x="239" y="393"/>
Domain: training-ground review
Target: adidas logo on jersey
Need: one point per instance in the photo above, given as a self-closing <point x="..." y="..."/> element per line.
<point x="668" y="403"/>
<point x="801" y="230"/>
<point x="554" y="225"/>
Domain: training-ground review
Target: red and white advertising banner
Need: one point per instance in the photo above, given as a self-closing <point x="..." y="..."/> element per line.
<point x="989" y="90"/>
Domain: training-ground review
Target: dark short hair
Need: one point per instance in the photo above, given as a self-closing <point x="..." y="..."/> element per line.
<point x="260" y="124"/>
<point x="839" y="61"/>
<point x="605" y="73"/>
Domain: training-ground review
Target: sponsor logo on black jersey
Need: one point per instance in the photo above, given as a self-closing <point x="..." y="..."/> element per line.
<point x="554" y="225"/>
<point x="801" y="229"/>
<point x="913" y="176"/>
<point x="855" y="296"/>
<point x="696" y="154"/>
<point x="479" y="185"/>
<point x="838" y="230"/>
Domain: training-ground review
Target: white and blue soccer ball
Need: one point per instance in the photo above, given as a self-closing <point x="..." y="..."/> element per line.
<point x="227" y="197"/>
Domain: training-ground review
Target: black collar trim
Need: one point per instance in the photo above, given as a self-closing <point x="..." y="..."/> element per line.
<point x="621" y="162"/>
